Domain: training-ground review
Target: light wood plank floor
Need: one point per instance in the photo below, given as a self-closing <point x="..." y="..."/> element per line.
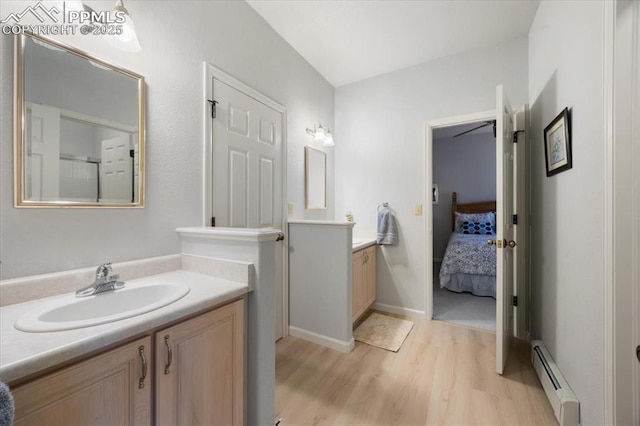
<point x="443" y="374"/>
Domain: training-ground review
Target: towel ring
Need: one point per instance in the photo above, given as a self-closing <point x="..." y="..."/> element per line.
<point x="385" y="204"/>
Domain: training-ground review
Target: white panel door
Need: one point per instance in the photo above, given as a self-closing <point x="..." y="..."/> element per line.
<point x="116" y="174"/>
<point x="504" y="224"/>
<point x="247" y="169"/>
<point x="43" y="154"/>
<point x="246" y="161"/>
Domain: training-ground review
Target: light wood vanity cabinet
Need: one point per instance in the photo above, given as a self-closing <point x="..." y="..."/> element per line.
<point x="199" y="379"/>
<point x="363" y="280"/>
<point x="200" y="369"/>
<point x="107" y="389"/>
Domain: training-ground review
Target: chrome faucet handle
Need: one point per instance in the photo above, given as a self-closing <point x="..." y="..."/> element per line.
<point x="105" y="281"/>
<point x="104" y="271"/>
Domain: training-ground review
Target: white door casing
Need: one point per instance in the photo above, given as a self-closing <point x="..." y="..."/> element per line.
<point x="635" y="211"/>
<point x="520" y="288"/>
<point x="116" y="174"/>
<point x="244" y="163"/>
<point x="621" y="155"/>
<point x="504" y="227"/>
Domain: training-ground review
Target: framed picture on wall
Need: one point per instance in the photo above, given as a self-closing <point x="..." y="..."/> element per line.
<point x="557" y="144"/>
<point x="434" y="194"/>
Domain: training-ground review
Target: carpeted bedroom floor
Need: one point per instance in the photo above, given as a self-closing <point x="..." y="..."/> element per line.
<point x="462" y="308"/>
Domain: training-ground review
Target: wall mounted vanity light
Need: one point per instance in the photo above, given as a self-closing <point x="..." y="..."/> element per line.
<point x="322" y="135"/>
<point x="125" y="38"/>
<point x="128" y="39"/>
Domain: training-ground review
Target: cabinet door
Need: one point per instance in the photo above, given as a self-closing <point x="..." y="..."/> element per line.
<point x="200" y="367"/>
<point x="370" y="276"/>
<point x="357" y="285"/>
<point x="104" y="390"/>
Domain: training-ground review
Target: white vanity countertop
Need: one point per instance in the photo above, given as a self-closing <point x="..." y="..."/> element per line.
<point x="361" y="243"/>
<point x="23" y="354"/>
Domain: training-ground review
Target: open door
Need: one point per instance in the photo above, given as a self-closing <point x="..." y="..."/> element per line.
<point x="504" y="223"/>
<point x="247" y="171"/>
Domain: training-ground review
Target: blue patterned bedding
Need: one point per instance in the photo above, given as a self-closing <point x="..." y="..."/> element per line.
<point x="469" y="254"/>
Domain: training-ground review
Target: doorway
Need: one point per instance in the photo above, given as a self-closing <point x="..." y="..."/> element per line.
<point x="464" y="176"/>
<point x="509" y="230"/>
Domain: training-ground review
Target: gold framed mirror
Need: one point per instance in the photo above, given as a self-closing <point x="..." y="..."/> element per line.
<point x="315" y="178"/>
<point x="79" y="132"/>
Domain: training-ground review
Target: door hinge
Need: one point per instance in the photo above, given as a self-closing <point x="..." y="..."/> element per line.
<point x="515" y="300"/>
<point x="213" y="221"/>
<point x="515" y="219"/>
<point x="515" y="135"/>
<point x="213" y="107"/>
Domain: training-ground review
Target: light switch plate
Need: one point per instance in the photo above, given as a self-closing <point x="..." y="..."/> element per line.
<point x="290" y="208"/>
<point x="417" y="210"/>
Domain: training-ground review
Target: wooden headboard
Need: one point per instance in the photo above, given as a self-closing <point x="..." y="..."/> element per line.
<point x="481" y="207"/>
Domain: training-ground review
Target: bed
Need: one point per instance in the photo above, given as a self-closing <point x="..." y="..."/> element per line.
<point x="469" y="263"/>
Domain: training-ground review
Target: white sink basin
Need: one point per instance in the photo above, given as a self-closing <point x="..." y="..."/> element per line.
<point x="71" y="312"/>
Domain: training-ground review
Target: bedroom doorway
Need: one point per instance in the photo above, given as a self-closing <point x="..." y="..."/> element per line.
<point x="509" y="178"/>
<point x="464" y="176"/>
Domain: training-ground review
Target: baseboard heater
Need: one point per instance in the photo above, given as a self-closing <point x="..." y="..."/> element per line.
<point x="564" y="402"/>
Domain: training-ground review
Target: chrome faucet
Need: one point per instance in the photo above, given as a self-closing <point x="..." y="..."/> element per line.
<point x="106" y="280"/>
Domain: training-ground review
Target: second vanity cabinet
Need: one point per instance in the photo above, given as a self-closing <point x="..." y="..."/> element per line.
<point x="199" y="367"/>
<point x="363" y="280"/>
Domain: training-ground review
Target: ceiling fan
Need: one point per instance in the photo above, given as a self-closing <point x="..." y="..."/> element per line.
<point x="485" y="124"/>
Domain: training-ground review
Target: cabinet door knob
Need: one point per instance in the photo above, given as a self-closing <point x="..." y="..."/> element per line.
<point x="169" y="354"/>
<point x="144" y="367"/>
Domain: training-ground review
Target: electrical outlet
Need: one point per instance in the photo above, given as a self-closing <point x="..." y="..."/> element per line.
<point x="290" y="208"/>
<point x="417" y="209"/>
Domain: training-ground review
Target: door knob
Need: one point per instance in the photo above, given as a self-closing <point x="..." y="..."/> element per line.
<point x="638" y="352"/>
<point x="491" y="242"/>
<point x="511" y="243"/>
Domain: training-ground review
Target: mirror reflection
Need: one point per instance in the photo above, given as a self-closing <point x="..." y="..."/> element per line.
<point x="81" y="137"/>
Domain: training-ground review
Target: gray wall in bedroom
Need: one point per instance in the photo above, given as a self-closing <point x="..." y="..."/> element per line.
<point x="466" y="165"/>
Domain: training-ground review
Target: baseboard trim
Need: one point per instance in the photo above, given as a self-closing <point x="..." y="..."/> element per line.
<point x="329" y="342"/>
<point x="398" y="310"/>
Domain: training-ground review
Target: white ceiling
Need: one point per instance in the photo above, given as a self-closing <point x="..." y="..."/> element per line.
<point x="349" y="40"/>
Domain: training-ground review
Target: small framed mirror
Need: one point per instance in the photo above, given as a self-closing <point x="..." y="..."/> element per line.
<point x="79" y="134"/>
<point x="315" y="178"/>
